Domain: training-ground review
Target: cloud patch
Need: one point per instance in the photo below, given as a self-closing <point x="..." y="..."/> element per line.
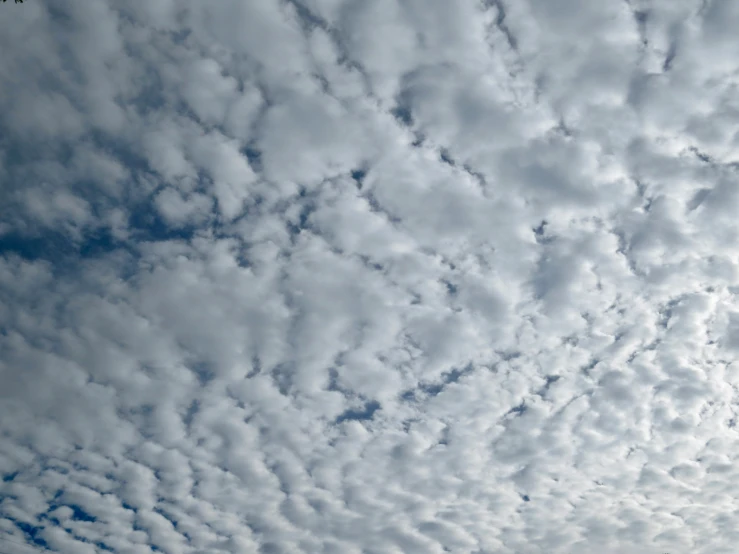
<point x="325" y="276"/>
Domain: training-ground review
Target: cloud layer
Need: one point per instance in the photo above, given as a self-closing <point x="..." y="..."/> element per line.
<point x="369" y="277"/>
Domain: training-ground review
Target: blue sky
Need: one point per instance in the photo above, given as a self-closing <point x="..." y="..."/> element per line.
<point x="368" y="277"/>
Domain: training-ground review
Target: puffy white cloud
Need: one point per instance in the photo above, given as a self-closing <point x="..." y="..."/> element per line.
<point x="368" y="277"/>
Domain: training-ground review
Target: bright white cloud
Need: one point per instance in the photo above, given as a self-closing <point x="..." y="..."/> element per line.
<point x="370" y="277"/>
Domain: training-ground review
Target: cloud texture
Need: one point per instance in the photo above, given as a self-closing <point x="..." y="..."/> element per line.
<point x="369" y="277"/>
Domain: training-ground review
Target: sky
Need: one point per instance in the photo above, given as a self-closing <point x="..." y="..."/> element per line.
<point x="369" y="276"/>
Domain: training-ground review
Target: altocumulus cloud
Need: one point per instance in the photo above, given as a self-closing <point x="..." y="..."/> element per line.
<point x="369" y="277"/>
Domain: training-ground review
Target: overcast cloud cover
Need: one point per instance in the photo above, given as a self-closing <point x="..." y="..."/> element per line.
<point x="369" y="276"/>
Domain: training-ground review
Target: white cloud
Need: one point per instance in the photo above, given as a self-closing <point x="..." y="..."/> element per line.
<point x="368" y="277"/>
